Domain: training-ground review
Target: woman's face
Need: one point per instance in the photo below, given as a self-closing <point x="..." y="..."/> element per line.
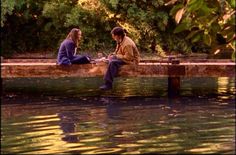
<point x="79" y="35"/>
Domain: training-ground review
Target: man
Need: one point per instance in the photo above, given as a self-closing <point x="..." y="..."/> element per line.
<point x="126" y="53"/>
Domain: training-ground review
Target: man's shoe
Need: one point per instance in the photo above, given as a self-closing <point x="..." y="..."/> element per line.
<point x="105" y="87"/>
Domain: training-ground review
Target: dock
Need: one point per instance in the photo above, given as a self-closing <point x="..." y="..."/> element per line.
<point x="13" y="68"/>
<point x="173" y="69"/>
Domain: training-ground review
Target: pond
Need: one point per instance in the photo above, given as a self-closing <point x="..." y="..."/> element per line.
<point x="71" y="115"/>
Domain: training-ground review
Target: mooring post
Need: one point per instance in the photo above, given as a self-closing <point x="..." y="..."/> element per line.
<point x="174" y="82"/>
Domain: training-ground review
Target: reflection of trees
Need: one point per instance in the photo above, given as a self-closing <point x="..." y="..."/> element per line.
<point x="138" y="125"/>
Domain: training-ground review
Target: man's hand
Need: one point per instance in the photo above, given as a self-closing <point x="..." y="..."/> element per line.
<point x="111" y="56"/>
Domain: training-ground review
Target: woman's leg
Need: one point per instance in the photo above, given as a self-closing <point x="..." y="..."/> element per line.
<point x="64" y="61"/>
<point x="80" y="60"/>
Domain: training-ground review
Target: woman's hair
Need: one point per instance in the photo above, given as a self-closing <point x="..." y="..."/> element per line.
<point x="118" y="31"/>
<point x="73" y="35"/>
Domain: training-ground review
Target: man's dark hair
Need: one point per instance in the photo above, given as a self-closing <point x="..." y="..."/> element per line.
<point x="118" y="31"/>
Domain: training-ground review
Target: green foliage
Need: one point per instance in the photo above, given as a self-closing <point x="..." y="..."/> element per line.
<point x="146" y="21"/>
<point x="57" y="12"/>
<point x="7" y="6"/>
<point x="22" y="31"/>
<point x="31" y="25"/>
<point x="205" y="20"/>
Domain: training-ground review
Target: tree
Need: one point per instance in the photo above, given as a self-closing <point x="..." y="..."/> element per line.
<point x="208" y="21"/>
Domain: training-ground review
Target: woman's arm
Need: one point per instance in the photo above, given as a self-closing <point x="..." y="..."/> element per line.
<point x="70" y="49"/>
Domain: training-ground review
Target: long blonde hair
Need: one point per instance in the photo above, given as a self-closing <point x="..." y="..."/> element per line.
<point x="73" y="35"/>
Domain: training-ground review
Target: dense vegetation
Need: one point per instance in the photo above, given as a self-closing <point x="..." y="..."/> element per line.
<point x="182" y="26"/>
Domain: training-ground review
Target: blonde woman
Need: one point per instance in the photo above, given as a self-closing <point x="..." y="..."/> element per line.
<point x="67" y="51"/>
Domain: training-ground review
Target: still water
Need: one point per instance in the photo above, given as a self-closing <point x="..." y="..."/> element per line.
<point x="70" y="115"/>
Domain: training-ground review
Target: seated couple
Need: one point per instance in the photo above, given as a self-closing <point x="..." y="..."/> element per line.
<point x="126" y="53"/>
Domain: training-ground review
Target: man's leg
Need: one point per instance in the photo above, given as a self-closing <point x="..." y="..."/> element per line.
<point x="111" y="72"/>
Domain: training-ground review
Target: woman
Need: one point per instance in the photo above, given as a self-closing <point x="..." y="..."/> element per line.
<point x="67" y="51"/>
<point x="126" y="53"/>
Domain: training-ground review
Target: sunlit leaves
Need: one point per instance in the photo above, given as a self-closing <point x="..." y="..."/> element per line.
<point x="179" y="15"/>
<point x="196" y="38"/>
<point x="114" y="3"/>
<point x="181" y="27"/>
<point x="195" y="5"/>
<point x="175" y="8"/>
<point x="171" y="2"/>
<point x="205" y="16"/>
<point x="232" y="3"/>
<point x="192" y="33"/>
<point x="207" y="39"/>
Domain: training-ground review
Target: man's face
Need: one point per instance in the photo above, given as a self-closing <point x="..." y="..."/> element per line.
<point x="115" y="37"/>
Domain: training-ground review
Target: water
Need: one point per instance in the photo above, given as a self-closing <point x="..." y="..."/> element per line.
<point x="69" y="115"/>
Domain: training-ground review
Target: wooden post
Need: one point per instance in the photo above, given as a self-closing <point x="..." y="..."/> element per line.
<point x="174" y="83"/>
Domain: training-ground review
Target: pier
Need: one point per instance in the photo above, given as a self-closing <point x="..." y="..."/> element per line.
<point x="173" y="69"/>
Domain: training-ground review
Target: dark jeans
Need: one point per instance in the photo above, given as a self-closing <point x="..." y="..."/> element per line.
<point x="79" y="59"/>
<point x="112" y="69"/>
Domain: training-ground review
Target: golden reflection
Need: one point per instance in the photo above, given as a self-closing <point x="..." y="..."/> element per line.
<point x="224" y="103"/>
<point x="127" y="88"/>
<point x="207" y="149"/>
<point x="211" y="147"/>
<point x="84" y="148"/>
<point x="129" y="145"/>
<point x="36" y="121"/>
<point x="48" y="127"/>
<point x="159" y="138"/>
<point x="223" y="83"/>
<point x="103" y="150"/>
<point x="127" y="134"/>
<point x="46" y="139"/>
<point x="74" y="145"/>
<point x="92" y="140"/>
<point x="161" y="149"/>
<point x="132" y="152"/>
<point x="95" y="132"/>
<point x="52" y="131"/>
<point x="44" y="116"/>
<point x="86" y="132"/>
<point x="49" y="140"/>
<point x="149" y="130"/>
<point x="218" y="129"/>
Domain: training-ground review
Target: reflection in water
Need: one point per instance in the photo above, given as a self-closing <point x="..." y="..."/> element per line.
<point x="68" y="126"/>
<point x="134" y="123"/>
<point x="130" y="125"/>
<point x="123" y="87"/>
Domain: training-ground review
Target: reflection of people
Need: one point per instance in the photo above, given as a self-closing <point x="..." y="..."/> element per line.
<point x="113" y="111"/>
<point x="126" y="53"/>
<point x="67" y="51"/>
<point x="68" y="127"/>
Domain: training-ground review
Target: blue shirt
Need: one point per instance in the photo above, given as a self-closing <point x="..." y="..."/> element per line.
<point x="66" y="52"/>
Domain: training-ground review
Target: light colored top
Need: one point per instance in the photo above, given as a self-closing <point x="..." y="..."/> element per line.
<point x="127" y="51"/>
